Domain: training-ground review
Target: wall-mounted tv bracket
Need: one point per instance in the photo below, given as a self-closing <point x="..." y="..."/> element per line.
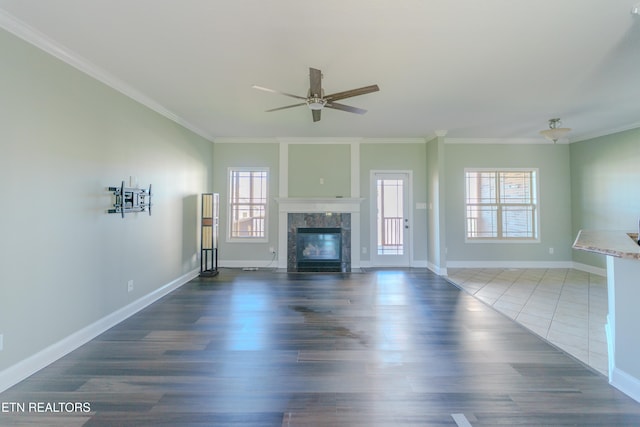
<point x="131" y="200"/>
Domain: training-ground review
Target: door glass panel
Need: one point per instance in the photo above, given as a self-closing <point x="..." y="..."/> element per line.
<point x="390" y="218"/>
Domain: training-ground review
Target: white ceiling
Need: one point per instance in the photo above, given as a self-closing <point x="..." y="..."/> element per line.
<point x="479" y="69"/>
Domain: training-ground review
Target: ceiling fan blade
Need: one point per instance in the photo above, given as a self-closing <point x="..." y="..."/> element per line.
<point x="352" y="92"/>
<point x="285" y="107"/>
<point x="315" y="80"/>
<point x="316" y="115"/>
<point x="277" y="91"/>
<point x="343" y="107"/>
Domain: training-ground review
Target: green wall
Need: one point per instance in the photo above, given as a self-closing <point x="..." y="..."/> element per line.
<point x="605" y="186"/>
<point x="319" y="170"/>
<point x="65" y="262"/>
<point x="246" y="154"/>
<point x="306" y="163"/>
<point x="438" y="181"/>
<point x="554" y="205"/>
<point x="395" y="157"/>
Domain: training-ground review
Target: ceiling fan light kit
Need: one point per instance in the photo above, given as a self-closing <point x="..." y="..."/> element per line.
<point x="316" y="99"/>
<point x="316" y="103"/>
<point x="555" y="132"/>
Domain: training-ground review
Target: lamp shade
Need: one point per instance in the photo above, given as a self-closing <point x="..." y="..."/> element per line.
<point x="554" y="133"/>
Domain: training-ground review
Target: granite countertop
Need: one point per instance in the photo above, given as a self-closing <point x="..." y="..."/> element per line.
<point x="613" y="243"/>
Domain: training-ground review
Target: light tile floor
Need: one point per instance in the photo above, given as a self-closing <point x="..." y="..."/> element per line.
<point x="566" y="307"/>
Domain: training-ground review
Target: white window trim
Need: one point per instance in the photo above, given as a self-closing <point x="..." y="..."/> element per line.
<point x="502" y="240"/>
<point x="231" y="239"/>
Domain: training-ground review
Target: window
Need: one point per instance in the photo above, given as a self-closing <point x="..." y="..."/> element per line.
<point x="247" y="204"/>
<point x="501" y="204"/>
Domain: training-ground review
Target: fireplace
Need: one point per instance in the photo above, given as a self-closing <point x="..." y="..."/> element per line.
<point x="337" y="213"/>
<point x="319" y="242"/>
<point x="319" y="249"/>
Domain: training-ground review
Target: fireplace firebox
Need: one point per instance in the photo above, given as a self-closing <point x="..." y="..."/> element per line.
<point x="319" y="249"/>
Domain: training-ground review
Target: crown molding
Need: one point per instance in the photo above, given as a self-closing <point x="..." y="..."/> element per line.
<point x="245" y="140"/>
<point x="319" y="140"/>
<point x="34" y="37"/>
<point x="394" y="140"/>
<point x="594" y="135"/>
<point x="512" y="141"/>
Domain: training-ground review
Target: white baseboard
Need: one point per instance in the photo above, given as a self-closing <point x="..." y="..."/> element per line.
<point x="590" y="269"/>
<point x="27" y="367"/>
<point x="440" y="271"/>
<point x="626" y="383"/>
<point x="274" y="264"/>
<point x="509" y="264"/>
<point x="419" y="264"/>
<point x="528" y="264"/>
<point x="248" y="264"/>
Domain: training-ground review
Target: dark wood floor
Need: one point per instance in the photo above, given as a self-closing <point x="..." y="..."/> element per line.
<point x="382" y="348"/>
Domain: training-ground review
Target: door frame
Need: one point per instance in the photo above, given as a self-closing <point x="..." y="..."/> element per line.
<point x="382" y="260"/>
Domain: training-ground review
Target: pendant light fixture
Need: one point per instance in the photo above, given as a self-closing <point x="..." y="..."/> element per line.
<point x="555" y="132"/>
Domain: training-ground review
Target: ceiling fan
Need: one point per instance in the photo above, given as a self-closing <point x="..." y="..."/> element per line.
<point x="316" y="100"/>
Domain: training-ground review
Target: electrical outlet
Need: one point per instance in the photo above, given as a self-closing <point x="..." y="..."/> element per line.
<point x="130" y="286"/>
<point x="1" y="342"/>
<point x="551" y="251"/>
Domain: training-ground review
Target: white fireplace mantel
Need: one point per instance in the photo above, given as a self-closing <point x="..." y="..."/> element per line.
<point x="319" y="204"/>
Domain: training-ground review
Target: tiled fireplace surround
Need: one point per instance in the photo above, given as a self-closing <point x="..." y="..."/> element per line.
<point x="321" y="220"/>
<point x="343" y="213"/>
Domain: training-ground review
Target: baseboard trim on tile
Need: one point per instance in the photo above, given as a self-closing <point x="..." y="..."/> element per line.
<point x="509" y="264"/>
<point x="626" y="383"/>
<point x="590" y="269"/>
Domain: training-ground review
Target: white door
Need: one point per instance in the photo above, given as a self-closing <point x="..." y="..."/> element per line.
<point x="391" y="224"/>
